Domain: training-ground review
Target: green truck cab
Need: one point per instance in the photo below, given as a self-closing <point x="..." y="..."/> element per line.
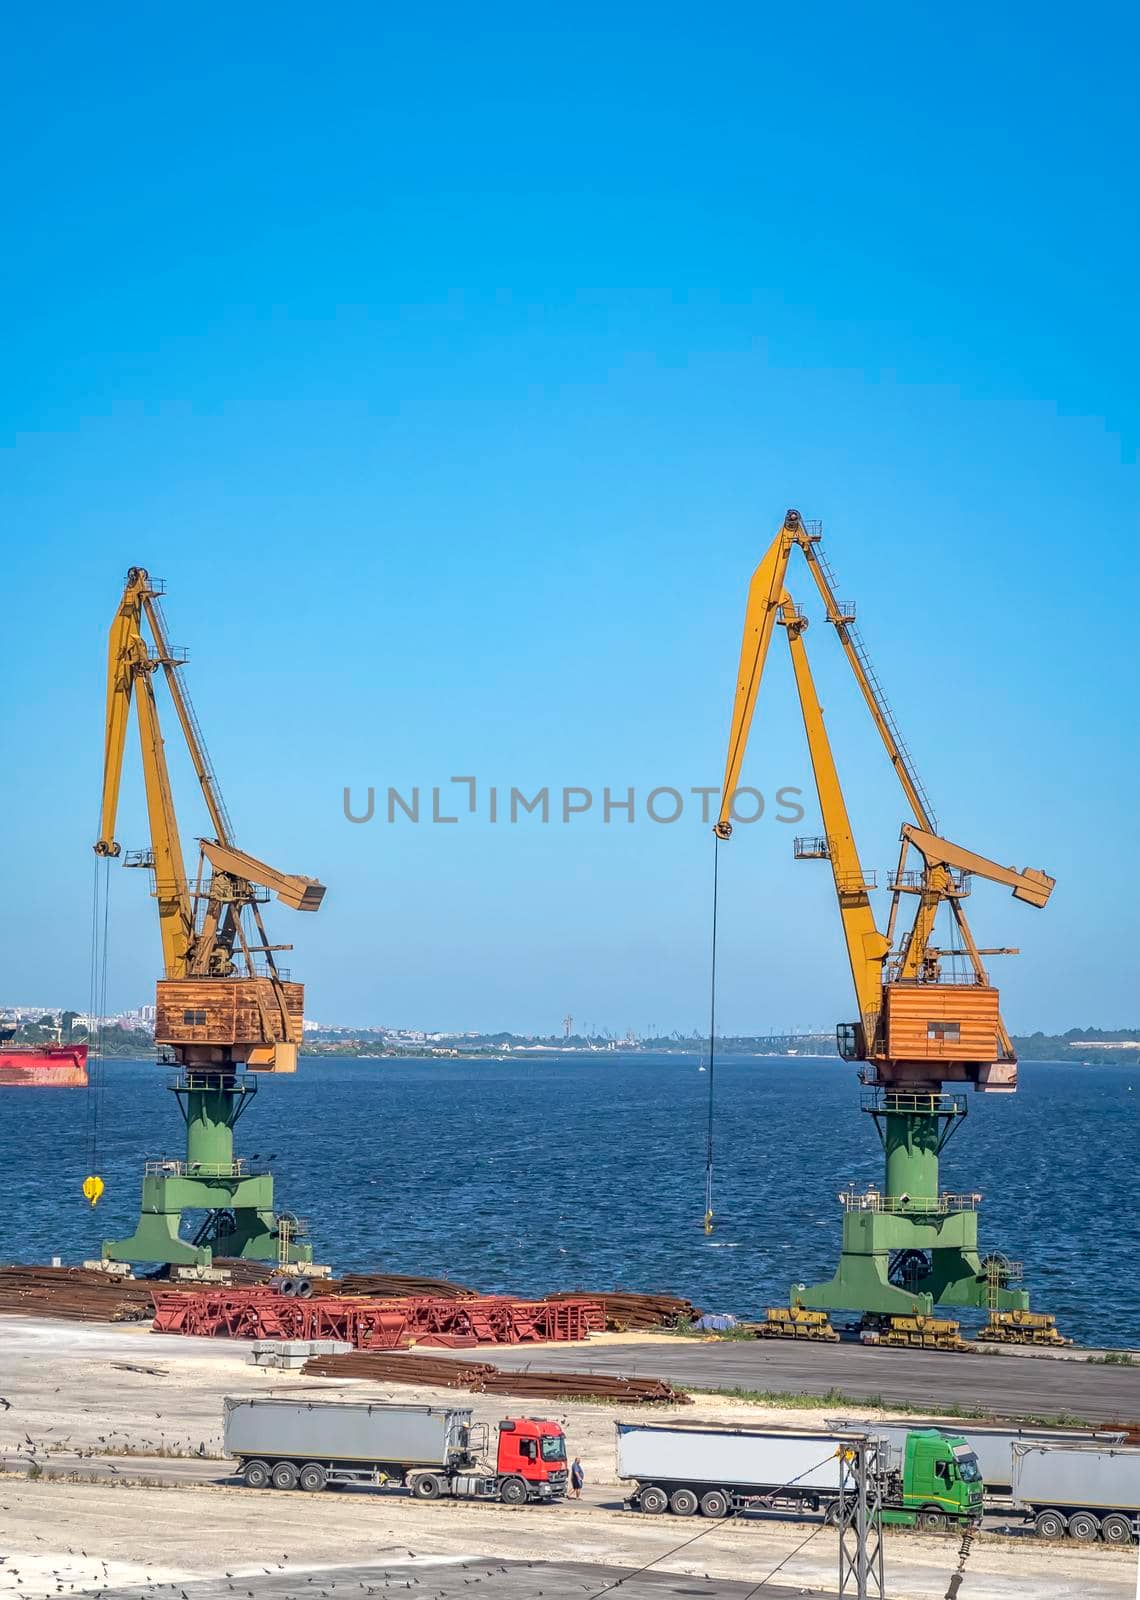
<point x="939" y="1482"/>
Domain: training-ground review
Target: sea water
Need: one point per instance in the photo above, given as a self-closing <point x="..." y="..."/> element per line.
<point x="532" y="1174"/>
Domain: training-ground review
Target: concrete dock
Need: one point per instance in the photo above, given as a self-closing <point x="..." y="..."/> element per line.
<point x="112" y="1484"/>
<point x="1023" y="1385"/>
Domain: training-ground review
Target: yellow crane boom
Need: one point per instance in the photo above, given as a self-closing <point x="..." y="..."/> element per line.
<point x="204" y="937"/>
<point x="1030" y="884"/>
<point x="302" y="894"/>
<point x="877" y="975"/>
<point x="130" y="670"/>
<point x="866" y="946"/>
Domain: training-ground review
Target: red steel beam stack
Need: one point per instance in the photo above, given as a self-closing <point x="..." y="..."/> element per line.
<point x="367" y="1323"/>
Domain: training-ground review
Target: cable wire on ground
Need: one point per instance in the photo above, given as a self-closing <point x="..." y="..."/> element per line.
<point x="780" y="1565"/>
<point x="714" y="1523"/>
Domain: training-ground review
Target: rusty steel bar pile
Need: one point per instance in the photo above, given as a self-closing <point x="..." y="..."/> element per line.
<point x="390" y="1367"/>
<point x="627" y="1312"/>
<point x="481" y="1377"/>
<point x="585" y="1386"/>
<point x="74" y="1294"/>
<point x="395" y="1286"/>
<point x="241" y="1271"/>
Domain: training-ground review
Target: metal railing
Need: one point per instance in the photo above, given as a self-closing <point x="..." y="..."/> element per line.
<point x="223" y="891"/>
<point x="238" y="1168"/>
<point x="908" y="1102"/>
<point x="857" y="882"/>
<point x="209" y="1080"/>
<point x="153" y="585"/>
<point x="260" y="968"/>
<point x="908" y="1205"/>
<point x="915" y="879"/>
<point x="808" y="848"/>
<point x="961" y="980"/>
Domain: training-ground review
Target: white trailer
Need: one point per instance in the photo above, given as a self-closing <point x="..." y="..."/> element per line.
<point x="686" y="1468"/>
<point x="991" y="1443"/>
<point x="1088" y="1491"/>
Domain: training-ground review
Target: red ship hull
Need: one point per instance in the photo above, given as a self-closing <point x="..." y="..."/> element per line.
<point x="60" y="1065"/>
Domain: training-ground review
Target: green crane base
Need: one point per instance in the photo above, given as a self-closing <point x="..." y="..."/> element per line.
<point x="211" y="1179"/>
<point x="872" y="1238"/>
<point x="248" y="1201"/>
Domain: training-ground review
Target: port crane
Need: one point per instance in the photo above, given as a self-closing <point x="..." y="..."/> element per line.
<point x="921" y="1022"/>
<point x="225" y="1011"/>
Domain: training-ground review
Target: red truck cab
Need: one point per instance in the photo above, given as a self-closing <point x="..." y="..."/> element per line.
<point x="532" y="1450"/>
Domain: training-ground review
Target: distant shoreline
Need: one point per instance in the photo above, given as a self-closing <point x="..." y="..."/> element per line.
<point x="549" y="1054"/>
<point x="442" y="1056"/>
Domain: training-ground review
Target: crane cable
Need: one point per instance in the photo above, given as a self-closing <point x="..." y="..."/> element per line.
<point x="712" y="1044"/>
<point x="93" y="1185"/>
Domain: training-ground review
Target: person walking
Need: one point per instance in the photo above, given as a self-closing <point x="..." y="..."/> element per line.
<point x="577" y="1479"/>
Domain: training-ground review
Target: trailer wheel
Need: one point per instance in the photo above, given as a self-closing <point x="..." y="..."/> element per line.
<point x="1084" y="1526"/>
<point x="1049" y="1525"/>
<point x="312" y="1477"/>
<point x="831" y="1513"/>
<point x="513" y="1492"/>
<point x="931" y="1520"/>
<point x="683" y="1503"/>
<point x="714" y="1503"/>
<point x="256" y="1474"/>
<point x="426" y="1486"/>
<point x="653" y="1501"/>
<point x="1116" y="1529"/>
<point x="284" y="1475"/>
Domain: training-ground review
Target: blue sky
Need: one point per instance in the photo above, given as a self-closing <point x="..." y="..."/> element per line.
<point x="454" y="372"/>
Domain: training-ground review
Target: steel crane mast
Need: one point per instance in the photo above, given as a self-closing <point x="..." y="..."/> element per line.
<point x="908" y="1246"/>
<point x="225" y="1010"/>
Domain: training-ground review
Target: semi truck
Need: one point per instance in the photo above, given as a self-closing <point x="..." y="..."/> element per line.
<point x="1088" y="1491"/>
<point x="992" y="1444"/>
<point x="431" y="1450"/>
<point x="932" y="1482"/>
